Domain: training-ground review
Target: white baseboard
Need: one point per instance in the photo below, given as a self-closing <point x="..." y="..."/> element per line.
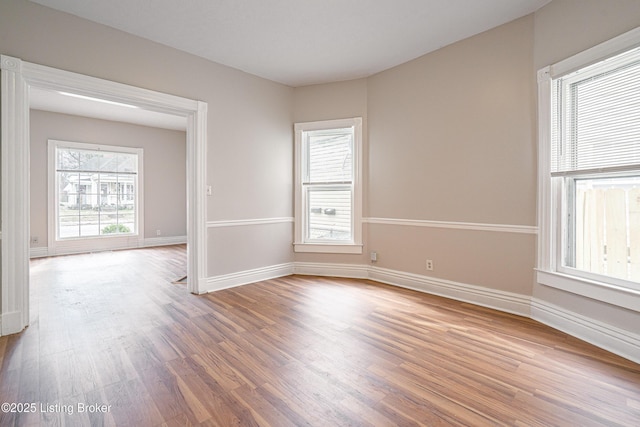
<point x="12" y="323"/>
<point x="618" y="341"/>
<point x="485" y="297"/>
<point x="491" y="298"/>
<point x="351" y="271"/>
<point x="240" y="278"/>
<point x="84" y="246"/>
<point x="615" y="340"/>
<point x="38" y="252"/>
<point x="163" y="241"/>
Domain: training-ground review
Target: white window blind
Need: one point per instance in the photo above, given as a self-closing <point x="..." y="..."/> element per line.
<point x="330" y="156"/>
<point x="329" y="184"/>
<point x="596" y="118"/>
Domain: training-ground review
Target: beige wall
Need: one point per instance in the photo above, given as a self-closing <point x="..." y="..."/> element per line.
<point x="452" y="137"/>
<point x="337" y="101"/>
<point x="164" y="167"/>
<point x="249" y="127"/>
<point x="566" y="27"/>
<point x="331" y="101"/>
<point x="562" y="29"/>
<point x="451" y="134"/>
<point x="449" y="137"/>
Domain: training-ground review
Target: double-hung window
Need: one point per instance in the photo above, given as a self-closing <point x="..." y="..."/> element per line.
<point x="590" y="170"/>
<point x="95" y="190"/>
<point x="328" y="186"/>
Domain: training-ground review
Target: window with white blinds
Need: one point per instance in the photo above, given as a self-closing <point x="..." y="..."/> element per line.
<point x="595" y="168"/>
<point x="596" y="120"/>
<point x="328" y="185"/>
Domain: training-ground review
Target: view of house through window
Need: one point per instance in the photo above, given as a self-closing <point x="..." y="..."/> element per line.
<point x="328" y="186"/>
<point x="95" y="190"/>
<point x="596" y="165"/>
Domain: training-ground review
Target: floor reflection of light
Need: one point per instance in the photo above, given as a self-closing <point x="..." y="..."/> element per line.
<point x="333" y="302"/>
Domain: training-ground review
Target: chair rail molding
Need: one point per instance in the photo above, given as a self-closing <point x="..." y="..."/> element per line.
<point x="502" y="228"/>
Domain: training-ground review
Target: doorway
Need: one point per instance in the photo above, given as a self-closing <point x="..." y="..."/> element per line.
<point x="17" y="79"/>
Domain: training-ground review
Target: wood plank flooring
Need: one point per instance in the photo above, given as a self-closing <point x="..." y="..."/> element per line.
<point x="111" y="330"/>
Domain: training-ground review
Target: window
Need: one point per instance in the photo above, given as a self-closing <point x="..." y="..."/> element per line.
<point x="328" y="186"/>
<point x="95" y="190"/>
<point x="589" y="188"/>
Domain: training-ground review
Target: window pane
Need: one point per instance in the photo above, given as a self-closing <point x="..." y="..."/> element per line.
<point x="110" y="224"/>
<point x="127" y="162"/>
<point x="127" y="221"/>
<point x="67" y="182"/>
<point x="68" y="159"/>
<point x="98" y="161"/>
<point x="597" y="123"/>
<point x="329" y="216"/>
<point x="607" y="227"/>
<point x="607" y="119"/>
<point x="109" y="162"/>
<point x="330" y="156"/>
<point x="96" y="192"/>
<point x="89" y="225"/>
<point x="89" y="160"/>
<point x="68" y="226"/>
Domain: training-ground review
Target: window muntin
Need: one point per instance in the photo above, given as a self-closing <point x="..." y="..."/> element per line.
<point x="595" y="164"/>
<point x="328" y="186"/>
<point x="96" y="190"/>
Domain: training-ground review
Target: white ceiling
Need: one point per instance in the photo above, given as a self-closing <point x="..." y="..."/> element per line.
<point x="294" y="42"/>
<point x="302" y="42"/>
<point x="49" y="100"/>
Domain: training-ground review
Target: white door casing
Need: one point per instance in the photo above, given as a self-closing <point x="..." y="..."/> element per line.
<point x="17" y="77"/>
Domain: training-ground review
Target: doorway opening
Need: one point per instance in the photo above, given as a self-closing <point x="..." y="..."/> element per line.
<point x="18" y="79"/>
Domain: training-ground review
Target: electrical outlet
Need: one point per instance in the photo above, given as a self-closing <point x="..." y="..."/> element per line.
<point x="430" y="265"/>
<point x="374" y="256"/>
<point x="158" y="233"/>
<point x="34" y="239"/>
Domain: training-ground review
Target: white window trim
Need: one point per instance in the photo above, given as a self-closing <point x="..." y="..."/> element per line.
<point x="549" y="269"/>
<point x="351" y="247"/>
<point x="88" y="243"/>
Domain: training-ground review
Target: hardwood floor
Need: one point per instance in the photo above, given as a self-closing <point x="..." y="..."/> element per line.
<point x="111" y="330"/>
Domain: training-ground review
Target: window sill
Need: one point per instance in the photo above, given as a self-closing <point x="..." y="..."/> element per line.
<point x="328" y="248"/>
<point x="605" y="292"/>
